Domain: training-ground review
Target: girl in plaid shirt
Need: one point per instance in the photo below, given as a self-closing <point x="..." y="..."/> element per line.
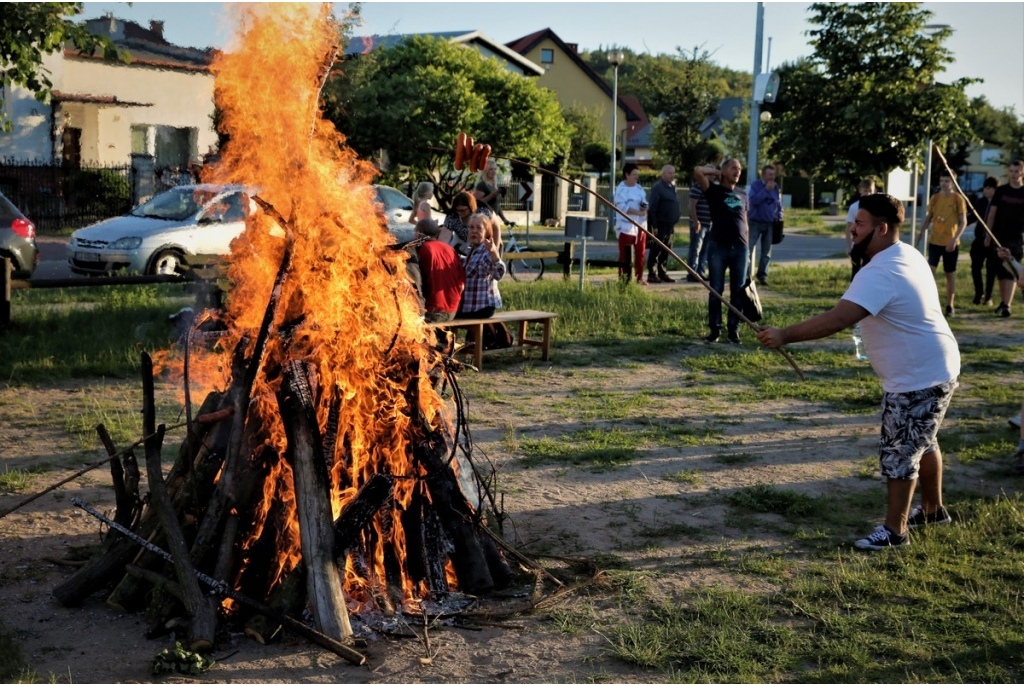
<point x="484" y="269"/>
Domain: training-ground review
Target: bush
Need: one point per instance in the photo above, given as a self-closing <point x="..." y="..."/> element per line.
<point x="99" y="191"/>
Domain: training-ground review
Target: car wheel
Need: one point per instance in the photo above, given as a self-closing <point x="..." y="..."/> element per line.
<point x="167" y="263"/>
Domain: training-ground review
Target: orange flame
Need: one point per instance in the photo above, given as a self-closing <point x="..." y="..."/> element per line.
<point x="350" y="312"/>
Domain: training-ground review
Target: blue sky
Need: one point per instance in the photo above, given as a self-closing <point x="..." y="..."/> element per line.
<point x="988" y="39"/>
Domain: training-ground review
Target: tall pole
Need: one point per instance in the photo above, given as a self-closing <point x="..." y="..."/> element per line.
<point x="927" y="192"/>
<point x="615" y="57"/>
<point x="755" y="109"/>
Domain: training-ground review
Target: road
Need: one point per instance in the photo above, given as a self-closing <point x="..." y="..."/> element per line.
<point x="810" y="249"/>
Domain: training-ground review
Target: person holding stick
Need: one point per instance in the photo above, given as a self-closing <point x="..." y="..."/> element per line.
<point x="728" y="243"/>
<point x="913" y="351"/>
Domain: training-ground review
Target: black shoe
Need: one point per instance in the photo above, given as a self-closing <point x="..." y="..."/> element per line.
<point x="918" y="518"/>
<point x="882" y="538"/>
<point x="763" y="282"/>
<point x="653" y="278"/>
<point x="692" y="279"/>
<point x="1005" y="311"/>
<point x="977" y="299"/>
<point x="712" y="338"/>
<point x="665" y="278"/>
<point x="949" y="310"/>
<point x="734" y="338"/>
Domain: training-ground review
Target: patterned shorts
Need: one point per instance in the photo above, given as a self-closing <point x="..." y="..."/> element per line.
<point x="910" y="424"/>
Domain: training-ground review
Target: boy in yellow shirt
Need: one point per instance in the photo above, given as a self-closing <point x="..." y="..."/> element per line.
<point x="947" y="218"/>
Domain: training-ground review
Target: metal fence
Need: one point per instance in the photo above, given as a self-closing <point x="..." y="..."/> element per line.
<point x="58" y="197"/>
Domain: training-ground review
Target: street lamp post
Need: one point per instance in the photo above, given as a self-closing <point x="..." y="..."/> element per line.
<point x="616" y="58"/>
<point x="755" y="108"/>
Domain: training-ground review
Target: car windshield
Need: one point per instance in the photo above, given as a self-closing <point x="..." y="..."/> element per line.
<point x="174" y="205"/>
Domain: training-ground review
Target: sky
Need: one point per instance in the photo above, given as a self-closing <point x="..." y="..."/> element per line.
<point x="987" y="43"/>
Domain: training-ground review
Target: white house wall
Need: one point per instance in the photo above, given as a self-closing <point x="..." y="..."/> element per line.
<point x="181" y="99"/>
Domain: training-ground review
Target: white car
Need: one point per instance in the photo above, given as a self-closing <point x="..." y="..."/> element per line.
<point x="160" y="235"/>
<point x="397" y="208"/>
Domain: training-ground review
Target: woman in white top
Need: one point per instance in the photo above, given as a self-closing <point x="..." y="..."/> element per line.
<point x="421" y="202"/>
<point x="632" y="200"/>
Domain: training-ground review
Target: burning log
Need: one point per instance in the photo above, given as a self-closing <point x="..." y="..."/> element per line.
<point x="312" y="499"/>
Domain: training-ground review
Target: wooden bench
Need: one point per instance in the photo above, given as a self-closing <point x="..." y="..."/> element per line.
<point x="524" y="317"/>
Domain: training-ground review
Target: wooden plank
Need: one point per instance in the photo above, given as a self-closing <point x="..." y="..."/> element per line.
<point x="523" y="317"/>
<point x="551" y="254"/>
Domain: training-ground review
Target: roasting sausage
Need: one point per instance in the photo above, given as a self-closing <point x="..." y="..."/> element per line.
<point x="460" y="152"/>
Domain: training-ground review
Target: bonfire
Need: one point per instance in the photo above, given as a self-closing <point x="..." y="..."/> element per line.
<point x="324" y="470"/>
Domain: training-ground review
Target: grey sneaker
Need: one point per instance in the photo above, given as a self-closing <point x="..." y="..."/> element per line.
<point x="882" y="538"/>
<point x="918" y="518"/>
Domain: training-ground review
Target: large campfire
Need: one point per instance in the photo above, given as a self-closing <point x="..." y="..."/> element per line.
<point x="323" y="469"/>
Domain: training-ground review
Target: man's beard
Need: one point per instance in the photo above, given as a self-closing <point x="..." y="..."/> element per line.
<point x="859" y="250"/>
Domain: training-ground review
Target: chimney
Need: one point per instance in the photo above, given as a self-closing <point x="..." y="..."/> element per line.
<point x="157" y="27"/>
<point x="573" y="46"/>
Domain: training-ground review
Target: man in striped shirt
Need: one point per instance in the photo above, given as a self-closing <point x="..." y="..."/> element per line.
<point x="700" y="224"/>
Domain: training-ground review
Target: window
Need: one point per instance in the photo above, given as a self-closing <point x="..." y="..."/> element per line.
<point x="547" y="56"/>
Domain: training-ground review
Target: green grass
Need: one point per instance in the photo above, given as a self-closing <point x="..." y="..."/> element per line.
<point x="946" y="609"/>
<point x="15" y="480"/>
<point x="83" y="332"/>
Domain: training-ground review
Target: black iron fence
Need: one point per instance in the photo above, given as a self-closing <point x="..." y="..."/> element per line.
<point x="59" y="198"/>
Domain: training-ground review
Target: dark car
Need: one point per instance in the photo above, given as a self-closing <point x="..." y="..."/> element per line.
<point x="17" y="239"/>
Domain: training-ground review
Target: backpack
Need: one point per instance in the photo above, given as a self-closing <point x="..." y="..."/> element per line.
<point x="496" y="336"/>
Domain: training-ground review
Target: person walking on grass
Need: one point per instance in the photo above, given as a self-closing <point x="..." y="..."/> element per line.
<point x="664" y="213"/>
<point x="765" y="210"/>
<point x="947" y="219"/>
<point x="1006" y="219"/>
<point x="728" y="243"/>
<point x="983" y="276"/>
<point x="914" y="353"/>
<point x="700" y="226"/>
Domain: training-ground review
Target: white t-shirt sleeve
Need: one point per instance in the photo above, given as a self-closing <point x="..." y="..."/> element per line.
<point x="871" y="293"/>
<point x="852" y="213"/>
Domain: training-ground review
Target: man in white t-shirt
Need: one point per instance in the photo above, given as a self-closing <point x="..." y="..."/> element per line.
<point x="864" y="188"/>
<point x="914" y="353"/>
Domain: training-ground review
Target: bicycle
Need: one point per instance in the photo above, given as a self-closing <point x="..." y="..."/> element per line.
<point x="521" y="269"/>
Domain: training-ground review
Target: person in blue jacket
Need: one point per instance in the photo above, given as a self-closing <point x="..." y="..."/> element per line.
<point x="765" y="209"/>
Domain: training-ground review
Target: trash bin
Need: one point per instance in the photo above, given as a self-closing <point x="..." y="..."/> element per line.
<point x="597" y="229"/>
<point x="575" y="226"/>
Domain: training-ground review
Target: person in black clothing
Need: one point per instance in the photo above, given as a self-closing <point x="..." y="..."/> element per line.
<point x="1006" y="219"/>
<point x="979" y="252"/>
<point x="663" y="213"/>
<point x="728" y="247"/>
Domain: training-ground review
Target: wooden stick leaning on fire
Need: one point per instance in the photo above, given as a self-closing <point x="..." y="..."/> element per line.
<point x="475" y="155"/>
<point x="1008" y="263"/>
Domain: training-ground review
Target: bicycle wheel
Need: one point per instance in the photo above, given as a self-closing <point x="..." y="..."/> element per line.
<point x="527" y="269"/>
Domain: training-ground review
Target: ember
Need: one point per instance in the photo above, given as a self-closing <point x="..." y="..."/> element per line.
<point x="323" y="466"/>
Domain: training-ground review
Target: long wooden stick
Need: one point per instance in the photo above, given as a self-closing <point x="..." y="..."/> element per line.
<point x="83" y="471"/>
<point x="689" y="269"/>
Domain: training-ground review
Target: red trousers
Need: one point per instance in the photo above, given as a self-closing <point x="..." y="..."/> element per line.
<point x="640" y="243"/>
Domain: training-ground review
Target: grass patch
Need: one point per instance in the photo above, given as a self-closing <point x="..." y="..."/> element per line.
<point x="945" y="609"/>
<point x="78" y="332"/>
<point x="15" y="480"/>
<point x="688" y="476"/>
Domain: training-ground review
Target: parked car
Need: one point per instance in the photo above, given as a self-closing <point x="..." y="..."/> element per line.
<point x="17" y="239"/>
<point x="397" y="208"/>
<point x="160" y="235"/>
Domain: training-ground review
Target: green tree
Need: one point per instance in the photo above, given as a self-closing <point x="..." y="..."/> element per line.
<point x="586" y="130"/>
<point x="868" y="97"/>
<point x="688" y="100"/>
<point x="412" y="100"/>
<point x="31" y="30"/>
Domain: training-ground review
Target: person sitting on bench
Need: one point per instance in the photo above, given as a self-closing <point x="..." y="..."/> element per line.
<point x="484" y="269"/>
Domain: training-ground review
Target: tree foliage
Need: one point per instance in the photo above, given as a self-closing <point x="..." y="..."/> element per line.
<point x="585" y="127"/>
<point x="690" y="98"/>
<point x="31" y="30"/>
<point x="868" y="97"/>
<point x="420" y="93"/>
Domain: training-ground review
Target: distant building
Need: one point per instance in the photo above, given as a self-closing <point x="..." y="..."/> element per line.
<point x="575" y="83"/>
<point x="103" y="111"/>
